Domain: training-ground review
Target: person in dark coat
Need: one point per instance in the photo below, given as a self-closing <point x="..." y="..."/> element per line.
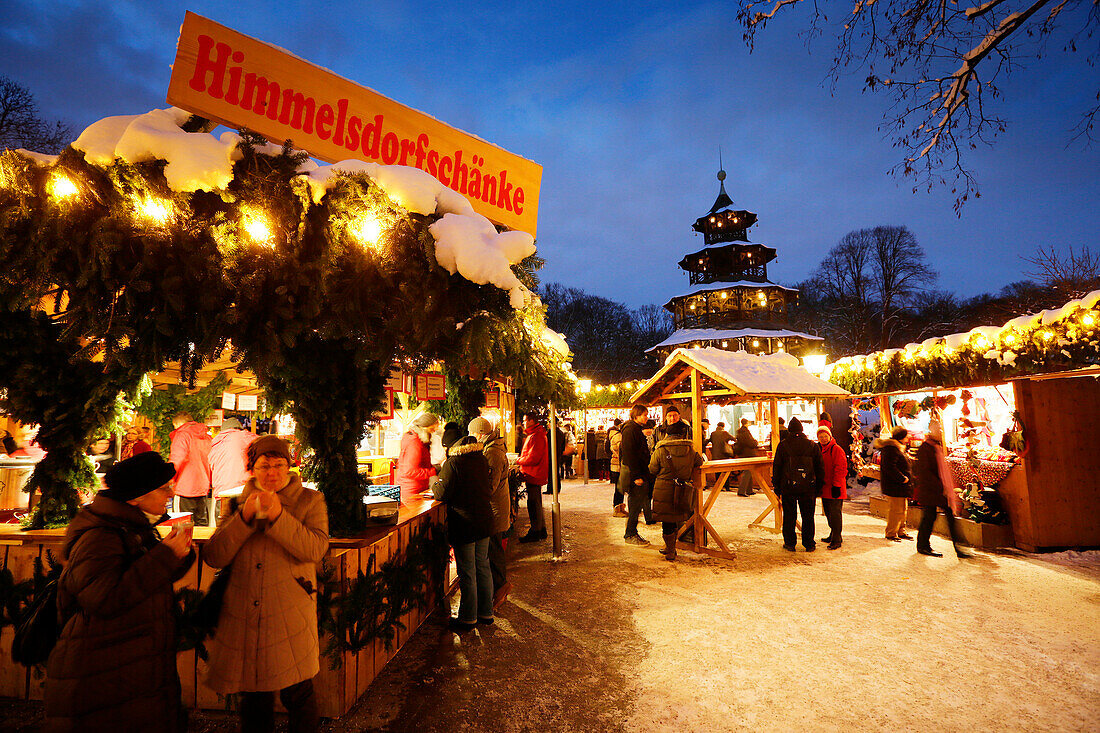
<point x="634" y="477"/>
<point x="114" y="666"/>
<point x="933" y="482"/>
<point x="673" y="459"/>
<point x="746" y="447"/>
<point x="797" y="476"/>
<point x="672" y="417"/>
<point x="835" y="489"/>
<point x="720" y="443"/>
<point x="465" y="486"/>
<point x="783" y="432"/>
<point x="896" y="478"/>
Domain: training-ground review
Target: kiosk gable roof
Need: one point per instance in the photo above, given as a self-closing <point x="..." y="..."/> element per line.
<point x="741" y="373"/>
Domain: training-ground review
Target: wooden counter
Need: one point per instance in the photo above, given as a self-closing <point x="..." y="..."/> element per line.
<point x="337" y="690"/>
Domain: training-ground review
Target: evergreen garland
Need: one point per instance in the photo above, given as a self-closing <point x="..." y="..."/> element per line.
<point x="1070" y="343"/>
<point x="465" y="397"/>
<point x="161" y="405"/>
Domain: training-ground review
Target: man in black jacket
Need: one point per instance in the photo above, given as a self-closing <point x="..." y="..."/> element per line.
<point x="634" y="478"/>
<point x="798" y="475"/>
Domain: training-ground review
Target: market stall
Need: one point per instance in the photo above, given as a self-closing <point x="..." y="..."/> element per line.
<point x="1014" y="401"/>
<point x="716" y="376"/>
<point x="411" y="590"/>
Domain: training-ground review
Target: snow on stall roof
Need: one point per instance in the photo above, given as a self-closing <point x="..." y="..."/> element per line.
<point x="764" y="374"/>
<point x="687" y="335"/>
<point x="195" y="161"/>
<point x="1025" y="323"/>
<point x="39" y="158"/>
<point x="466" y="242"/>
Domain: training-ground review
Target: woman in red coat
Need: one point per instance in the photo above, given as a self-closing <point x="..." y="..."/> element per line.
<point x="414" y="463"/>
<point x="835" y="489"/>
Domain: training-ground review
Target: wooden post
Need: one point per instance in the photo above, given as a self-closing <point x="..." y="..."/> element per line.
<point x="555" y="506"/>
<point x="775" y="424"/>
<point x="697" y="444"/>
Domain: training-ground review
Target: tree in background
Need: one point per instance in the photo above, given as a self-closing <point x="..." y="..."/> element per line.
<point x="944" y="66"/>
<point x="1072" y="273"/>
<point x="21" y="126"/>
<point x="607" y="338"/>
<point x="858" y="295"/>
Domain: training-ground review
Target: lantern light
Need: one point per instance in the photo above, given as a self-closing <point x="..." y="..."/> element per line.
<point x="724" y="295"/>
<point x="158" y="211"/>
<point x="257" y="226"/>
<point x="1088" y="319"/>
<point x="755" y="342"/>
<point x="61" y="186"/>
<point x="366" y="229"/>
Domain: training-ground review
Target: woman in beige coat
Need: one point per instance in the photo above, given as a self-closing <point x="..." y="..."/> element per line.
<point x="266" y="638"/>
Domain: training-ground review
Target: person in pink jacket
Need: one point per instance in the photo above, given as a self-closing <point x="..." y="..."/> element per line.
<point x="227" y="460"/>
<point x="534" y="464"/>
<point x="414" y="463"/>
<point x="191" y="455"/>
<point x="835" y="489"/>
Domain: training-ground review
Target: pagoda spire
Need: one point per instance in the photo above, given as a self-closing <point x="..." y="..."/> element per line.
<point x="723" y="201"/>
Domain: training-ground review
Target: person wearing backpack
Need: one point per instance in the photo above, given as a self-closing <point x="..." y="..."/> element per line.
<point x="673" y="465"/>
<point x="798" y="475"/>
<point x="114" y="666"/>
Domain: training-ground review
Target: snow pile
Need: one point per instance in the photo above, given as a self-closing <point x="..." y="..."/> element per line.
<point x="555" y="342"/>
<point x="759" y="374"/>
<point x="470" y="245"/>
<point x="466" y="242"/>
<point x="195" y="161"/>
<point x="39" y="158"/>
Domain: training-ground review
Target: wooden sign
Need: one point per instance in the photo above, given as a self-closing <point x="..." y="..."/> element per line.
<point x="247" y="402"/>
<point x="431" y="387"/>
<point x="245" y="83"/>
<point x="492" y="399"/>
<point x="387" y="409"/>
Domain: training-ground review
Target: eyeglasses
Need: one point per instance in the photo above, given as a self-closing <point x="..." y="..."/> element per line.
<point x="271" y="466"/>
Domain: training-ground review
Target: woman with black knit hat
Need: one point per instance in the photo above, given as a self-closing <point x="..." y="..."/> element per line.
<point x="896" y="478"/>
<point x="114" y="666"/>
<point x="464" y="485"/>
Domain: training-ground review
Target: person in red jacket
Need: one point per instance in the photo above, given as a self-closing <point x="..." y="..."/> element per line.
<point x="835" y="489"/>
<point x="414" y="463"/>
<point x="191" y="455"/>
<point x="534" y="464"/>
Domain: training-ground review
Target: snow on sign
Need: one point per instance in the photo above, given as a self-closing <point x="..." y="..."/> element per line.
<point x="242" y="82"/>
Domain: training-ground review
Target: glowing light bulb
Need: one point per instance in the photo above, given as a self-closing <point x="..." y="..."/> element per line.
<point x="61" y="186"/>
<point x="1047" y="335"/>
<point x="981" y="343"/>
<point x="366" y="229"/>
<point x="755" y="342"/>
<point x="257" y="226"/>
<point x="725" y="343"/>
<point x="156" y="210"/>
<point x="1088" y="319"/>
<point x="692" y="306"/>
<point x="1010" y="339"/>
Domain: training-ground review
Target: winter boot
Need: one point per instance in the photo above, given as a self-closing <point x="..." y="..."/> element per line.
<point x="669" y="550"/>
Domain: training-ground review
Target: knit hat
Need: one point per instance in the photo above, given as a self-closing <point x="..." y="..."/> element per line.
<point x="266" y="445"/>
<point x="825" y="429"/>
<point x="231" y="424"/>
<point x="479" y="426"/>
<point x="137" y="476"/>
<point x="795" y="426"/>
<point x="672" y="408"/>
<point x="899" y="433"/>
<point x="426" y="420"/>
<point x="452" y="433"/>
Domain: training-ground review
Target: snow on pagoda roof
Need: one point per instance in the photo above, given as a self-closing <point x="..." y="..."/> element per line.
<point x="710" y="287"/>
<point x="772" y="375"/>
<point x="687" y="335"/>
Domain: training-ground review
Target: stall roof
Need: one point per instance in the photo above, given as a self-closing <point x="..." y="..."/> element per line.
<point x="737" y="374"/>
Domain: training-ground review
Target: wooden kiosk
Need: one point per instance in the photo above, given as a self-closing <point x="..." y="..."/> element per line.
<point x="717" y="375"/>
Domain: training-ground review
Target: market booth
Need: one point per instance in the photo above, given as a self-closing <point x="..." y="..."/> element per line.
<point x="1015" y="402"/>
<point x="716" y="376"/>
<point x="347" y="669"/>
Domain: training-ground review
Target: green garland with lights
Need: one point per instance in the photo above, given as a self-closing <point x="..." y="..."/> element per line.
<point x="317" y="298"/>
<point x="1069" y="343"/>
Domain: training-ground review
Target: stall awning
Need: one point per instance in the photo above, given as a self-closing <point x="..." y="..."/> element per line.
<point x="737" y="375"/>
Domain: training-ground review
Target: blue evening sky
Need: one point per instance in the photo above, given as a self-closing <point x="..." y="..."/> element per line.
<point x="625" y="106"/>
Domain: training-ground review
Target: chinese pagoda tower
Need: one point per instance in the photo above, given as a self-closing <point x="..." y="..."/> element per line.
<point x="731" y="304"/>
